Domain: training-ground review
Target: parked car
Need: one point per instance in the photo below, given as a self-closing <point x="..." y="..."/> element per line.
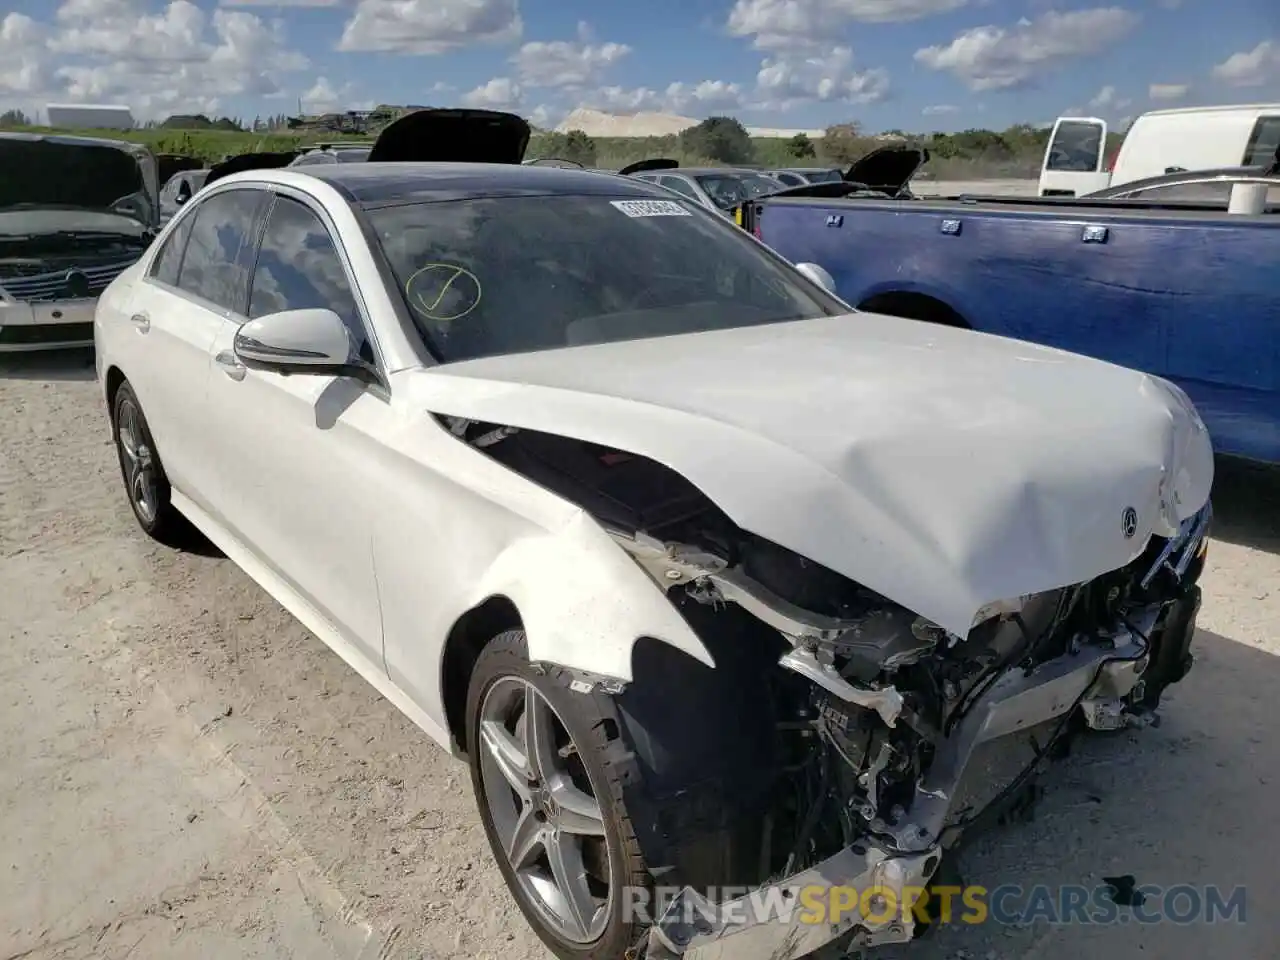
<point x="74" y="213"/>
<point x="333" y="153"/>
<point x="711" y="582"/>
<point x="181" y="187"/>
<point x="1077" y="161"/>
<point x="1161" y="281"/>
<point x="799" y="176"/>
<point x="718" y="188"/>
<point x="1198" y="187"/>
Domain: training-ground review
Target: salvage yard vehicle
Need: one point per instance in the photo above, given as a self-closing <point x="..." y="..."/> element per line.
<point x="181" y="187"/>
<point x="74" y="213"/>
<point x="712" y="581"/>
<point x="718" y="188"/>
<point x="1077" y="160"/>
<point x="1179" y="284"/>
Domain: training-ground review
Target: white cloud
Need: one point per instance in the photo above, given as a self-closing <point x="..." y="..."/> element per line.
<point x="500" y="93"/>
<point x="1106" y="97"/>
<point x="566" y="63"/>
<point x="280" y="3"/>
<point x="23" y="72"/>
<point x="788" y="24"/>
<point x="787" y="81"/>
<point x="1250" y="68"/>
<point x="324" y="97"/>
<point x="175" y="59"/>
<point x="1168" y="91"/>
<point x="430" y="26"/>
<point x="939" y="110"/>
<point x="1000" y="58"/>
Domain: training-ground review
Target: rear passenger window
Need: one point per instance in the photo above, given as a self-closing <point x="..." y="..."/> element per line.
<point x="299" y="269"/>
<point x="1264" y="143"/>
<point x="168" y="261"/>
<point x="219" y="252"/>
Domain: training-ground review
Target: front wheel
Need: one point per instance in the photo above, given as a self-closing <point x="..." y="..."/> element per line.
<point x="546" y="767"/>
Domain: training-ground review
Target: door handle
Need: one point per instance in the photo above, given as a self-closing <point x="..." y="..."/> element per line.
<point x="141" y="321"/>
<point x="230" y="365"/>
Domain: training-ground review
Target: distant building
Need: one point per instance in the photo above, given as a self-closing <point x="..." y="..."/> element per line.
<point x="86" y="116"/>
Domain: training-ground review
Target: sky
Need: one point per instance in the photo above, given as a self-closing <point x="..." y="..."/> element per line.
<point x="915" y="65"/>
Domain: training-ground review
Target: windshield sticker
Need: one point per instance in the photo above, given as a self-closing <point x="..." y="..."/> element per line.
<point x="443" y="292"/>
<point x="651" y="208"/>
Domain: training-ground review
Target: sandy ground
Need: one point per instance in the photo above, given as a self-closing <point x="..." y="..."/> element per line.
<point x="187" y="773"/>
<point x="953" y="188"/>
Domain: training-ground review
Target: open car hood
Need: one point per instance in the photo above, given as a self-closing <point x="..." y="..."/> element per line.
<point x="944" y="469"/>
<point x="644" y="166"/>
<point x="105" y="176"/>
<point x="455" y="136"/>
<point x="249" y="161"/>
<point x="888" y="168"/>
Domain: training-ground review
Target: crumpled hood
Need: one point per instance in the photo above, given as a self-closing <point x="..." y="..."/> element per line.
<point x="941" y="468"/>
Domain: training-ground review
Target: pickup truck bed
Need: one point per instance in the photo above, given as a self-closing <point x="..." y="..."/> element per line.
<point x="1186" y="292"/>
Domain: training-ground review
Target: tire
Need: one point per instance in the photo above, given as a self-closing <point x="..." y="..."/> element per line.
<point x="155" y="514"/>
<point x="503" y="675"/>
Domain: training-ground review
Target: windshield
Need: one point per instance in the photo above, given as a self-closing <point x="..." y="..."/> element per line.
<point x="727" y="190"/>
<point x="507" y="275"/>
<point x="48" y="174"/>
<point x="824" y="176"/>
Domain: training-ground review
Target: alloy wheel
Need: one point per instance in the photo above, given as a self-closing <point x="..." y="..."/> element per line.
<point x="138" y="461"/>
<point x="544" y="810"/>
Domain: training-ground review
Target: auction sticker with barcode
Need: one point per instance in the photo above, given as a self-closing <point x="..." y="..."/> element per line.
<point x="651" y="208"/>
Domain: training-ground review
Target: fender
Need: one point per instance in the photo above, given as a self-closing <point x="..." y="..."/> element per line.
<point x="584" y="602"/>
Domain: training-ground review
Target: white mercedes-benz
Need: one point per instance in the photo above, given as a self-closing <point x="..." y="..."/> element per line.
<point x="715" y="583"/>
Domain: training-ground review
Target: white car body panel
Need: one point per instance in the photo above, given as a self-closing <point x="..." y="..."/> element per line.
<point x="376" y="527"/>
<point x="840" y="439"/>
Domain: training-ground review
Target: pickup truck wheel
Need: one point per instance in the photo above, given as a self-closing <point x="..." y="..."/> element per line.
<point x="145" y="482"/>
<point x="545" y="765"/>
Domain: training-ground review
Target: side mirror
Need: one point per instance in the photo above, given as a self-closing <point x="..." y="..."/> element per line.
<point x="819" y="276"/>
<point x="313" y="341"/>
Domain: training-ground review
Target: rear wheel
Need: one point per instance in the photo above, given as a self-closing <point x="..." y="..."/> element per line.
<point x="145" y="482"/>
<point x="546" y="766"/>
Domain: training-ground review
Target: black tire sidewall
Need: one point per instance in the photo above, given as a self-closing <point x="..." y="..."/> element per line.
<point x="153" y="526"/>
<point x="506" y="656"/>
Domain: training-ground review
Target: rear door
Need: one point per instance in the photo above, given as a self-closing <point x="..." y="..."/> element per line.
<point x="1075" y="160"/>
<point x="197" y="279"/>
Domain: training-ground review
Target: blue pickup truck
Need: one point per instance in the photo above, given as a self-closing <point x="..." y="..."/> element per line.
<point x="1185" y="291"/>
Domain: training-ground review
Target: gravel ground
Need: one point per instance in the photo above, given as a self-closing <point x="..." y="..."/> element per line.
<point x="188" y="773"/>
<point x="952" y="188"/>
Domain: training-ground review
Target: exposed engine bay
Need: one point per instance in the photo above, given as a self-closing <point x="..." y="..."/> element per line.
<point x="829" y="743"/>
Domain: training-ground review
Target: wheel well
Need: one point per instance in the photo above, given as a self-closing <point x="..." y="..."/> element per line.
<point x="114" y="378"/>
<point x="462" y="648"/>
<point x="914" y="306"/>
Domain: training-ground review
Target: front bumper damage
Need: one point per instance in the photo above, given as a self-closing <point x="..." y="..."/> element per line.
<point x="1103" y="677"/>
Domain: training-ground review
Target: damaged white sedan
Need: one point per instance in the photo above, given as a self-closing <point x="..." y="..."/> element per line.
<point x="713" y="582"/>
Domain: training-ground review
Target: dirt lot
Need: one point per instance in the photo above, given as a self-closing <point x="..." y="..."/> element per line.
<point x="188" y="773"/>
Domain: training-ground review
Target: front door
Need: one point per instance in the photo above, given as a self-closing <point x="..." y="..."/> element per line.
<point x="296" y="456"/>
<point x="1075" y="159"/>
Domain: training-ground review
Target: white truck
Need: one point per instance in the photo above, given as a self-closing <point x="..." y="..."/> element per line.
<point x="1077" y="162"/>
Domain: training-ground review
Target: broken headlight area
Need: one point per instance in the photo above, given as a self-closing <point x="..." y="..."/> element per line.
<point x="829" y="744"/>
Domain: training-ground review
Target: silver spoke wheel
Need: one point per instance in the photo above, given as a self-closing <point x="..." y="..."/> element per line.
<point x="137" y="460"/>
<point x="544" y="810"/>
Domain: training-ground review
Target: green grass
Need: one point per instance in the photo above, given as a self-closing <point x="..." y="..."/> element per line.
<point x="611" y="152"/>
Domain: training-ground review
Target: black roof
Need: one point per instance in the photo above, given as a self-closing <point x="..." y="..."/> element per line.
<point x="384" y="184"/>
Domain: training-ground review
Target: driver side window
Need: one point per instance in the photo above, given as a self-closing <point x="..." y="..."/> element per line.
<point x="299" y="268"/>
